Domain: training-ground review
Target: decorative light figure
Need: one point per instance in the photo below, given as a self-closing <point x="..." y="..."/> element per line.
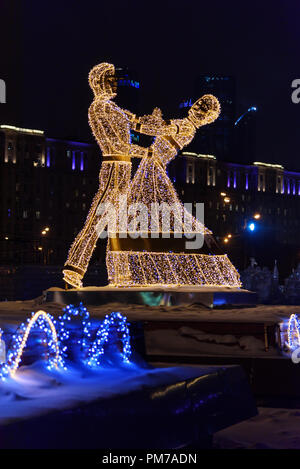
<point x="96" y="350"/>
<point x="45" y="322"/>
<point x="74" y="312"/>
<point x="293" y="332"/>
<point x="130" y="266"/>
<point x="2" y="348"/>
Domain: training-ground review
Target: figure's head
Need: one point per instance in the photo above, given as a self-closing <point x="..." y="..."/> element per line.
<point x="103" y="81"/>
<point x="205" y="110"/>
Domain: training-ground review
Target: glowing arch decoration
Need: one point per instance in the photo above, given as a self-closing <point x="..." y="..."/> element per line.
<point x="118" y="323"/>
<point x="45" y="322"/>
<point x="72" y="312"/>
<point x="293" y="332"/>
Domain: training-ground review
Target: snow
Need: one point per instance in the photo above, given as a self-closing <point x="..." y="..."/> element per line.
<point x="188" y="342"/>
<point x="176" y="338"/>
<point x="270" y="429"/>
<point x="13" y="310"/>
<point x="34" y="390"/>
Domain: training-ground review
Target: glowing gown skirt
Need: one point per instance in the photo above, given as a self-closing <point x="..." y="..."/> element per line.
<point x="148" y="261"/>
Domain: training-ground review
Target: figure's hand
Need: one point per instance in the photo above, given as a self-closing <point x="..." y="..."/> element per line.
<point x="155" y="119"/>
<point x="154" y="124"/>
<point x="205" y="110"/>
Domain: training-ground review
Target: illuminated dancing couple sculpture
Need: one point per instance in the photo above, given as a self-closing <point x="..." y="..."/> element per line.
<point x="153" y="259"/>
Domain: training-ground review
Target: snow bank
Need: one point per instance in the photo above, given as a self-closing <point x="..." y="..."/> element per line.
<point x="270" y="429"/>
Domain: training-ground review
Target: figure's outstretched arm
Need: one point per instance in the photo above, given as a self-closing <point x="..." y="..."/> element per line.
<point x="151" y="124"/>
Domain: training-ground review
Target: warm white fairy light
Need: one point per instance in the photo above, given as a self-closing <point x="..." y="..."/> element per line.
<point x="128" y="266"/>
<point x="45" y="323"/>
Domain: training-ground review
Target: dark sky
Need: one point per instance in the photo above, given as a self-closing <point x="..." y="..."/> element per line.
<point x="168" y="43"/>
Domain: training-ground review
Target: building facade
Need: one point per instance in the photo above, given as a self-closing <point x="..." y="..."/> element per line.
<point x="47" y="186"/>
<point x="236" y="196"/>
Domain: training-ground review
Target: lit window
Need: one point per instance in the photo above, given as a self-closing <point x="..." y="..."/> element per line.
<point x="190" y="173"/>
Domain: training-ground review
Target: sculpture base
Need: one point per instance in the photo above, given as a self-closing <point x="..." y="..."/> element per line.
<point x="211" y="297"/>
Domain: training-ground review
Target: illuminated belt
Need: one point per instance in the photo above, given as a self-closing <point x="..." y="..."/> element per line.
<point x="116" y="157"/>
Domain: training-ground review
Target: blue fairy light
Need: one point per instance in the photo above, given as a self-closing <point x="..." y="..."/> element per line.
<point x="114" y="321"/>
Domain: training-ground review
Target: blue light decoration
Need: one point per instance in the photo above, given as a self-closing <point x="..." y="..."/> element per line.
<point x="45" y="323"/>
<point x="74" y="312"/>
<point x="118" y="323"/>
<point x="114" y="326"/>
<point x="2" y="348"/>
<point x="293" y="332"/>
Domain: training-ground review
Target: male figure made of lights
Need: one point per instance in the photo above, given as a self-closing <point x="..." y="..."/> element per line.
<point x="153" y="259"/>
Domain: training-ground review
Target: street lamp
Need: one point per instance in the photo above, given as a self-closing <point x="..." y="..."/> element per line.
<point x="251" y="226"/>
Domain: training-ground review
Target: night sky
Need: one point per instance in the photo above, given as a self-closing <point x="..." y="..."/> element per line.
<point x="168" y="43"/>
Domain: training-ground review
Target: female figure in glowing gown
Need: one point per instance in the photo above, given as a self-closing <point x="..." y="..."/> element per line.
<point x="149" y="261"/>
<point x="143" y="261"/>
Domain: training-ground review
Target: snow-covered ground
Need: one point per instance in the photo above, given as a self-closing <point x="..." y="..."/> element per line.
<point x="270" y="429"/>
<point x="190" y="342"/>
<point x="10" y="310"/>
<point x="174" y="340"/>
<point x="35" y="391"/>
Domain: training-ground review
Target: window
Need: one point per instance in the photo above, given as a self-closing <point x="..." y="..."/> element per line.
<point x="279" y="184"/>
<point x="25" y="214"/>
<point x="211" y="176"/>
<point x="261" y="182"/>
<point x="190" y="173"/>
<point x="10" y="154"/>
<point x="48" y="157"/>
<point x="37" y="215"/>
